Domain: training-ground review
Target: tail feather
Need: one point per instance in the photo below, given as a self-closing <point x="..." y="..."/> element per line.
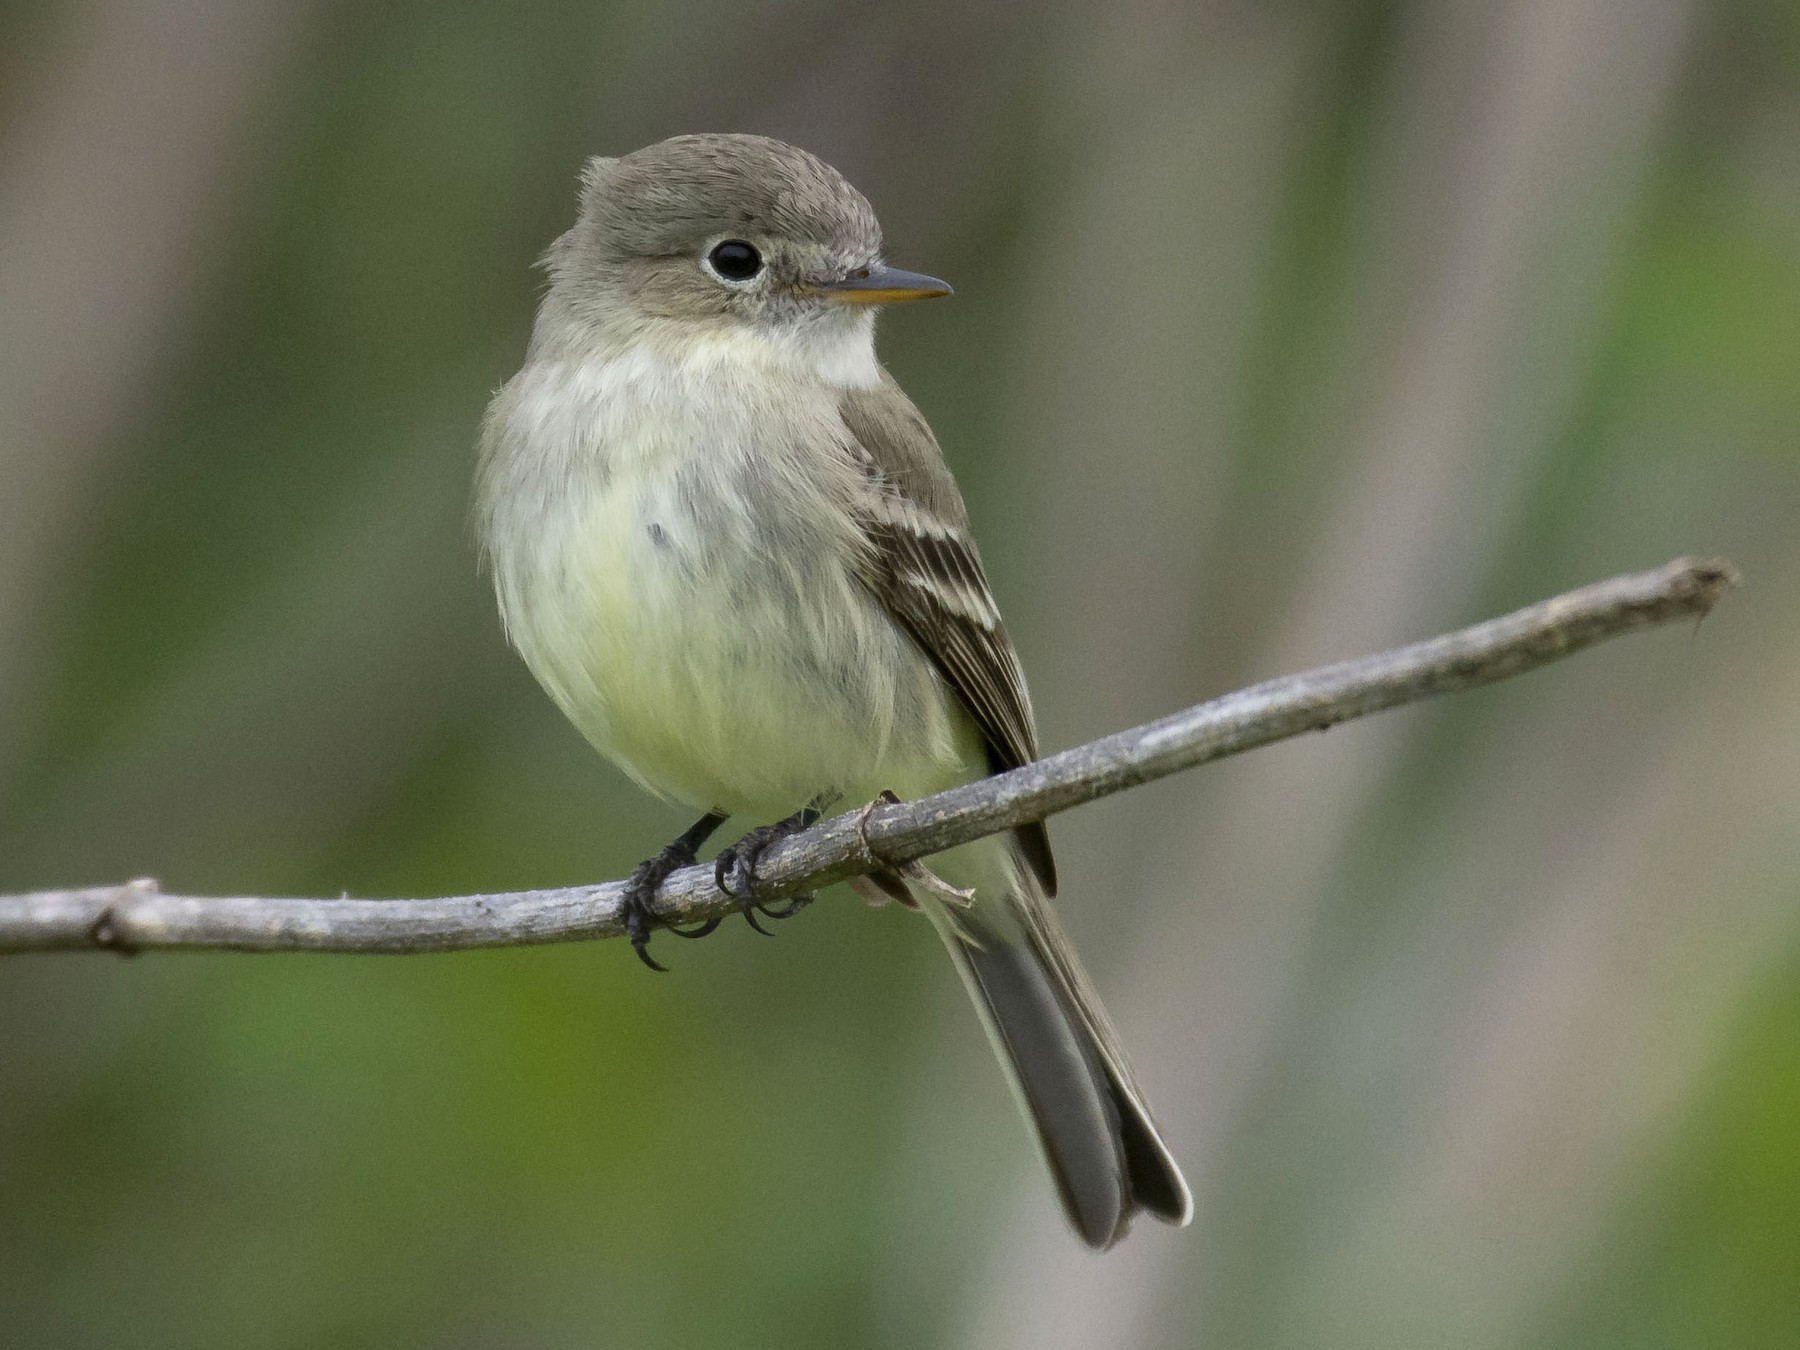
<point x="1062" y="1059"/>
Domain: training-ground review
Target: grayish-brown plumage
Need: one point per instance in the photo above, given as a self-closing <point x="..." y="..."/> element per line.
<point x="729" y="547"/>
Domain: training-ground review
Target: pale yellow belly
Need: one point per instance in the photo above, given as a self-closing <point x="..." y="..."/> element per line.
<point x="728" y="675"/>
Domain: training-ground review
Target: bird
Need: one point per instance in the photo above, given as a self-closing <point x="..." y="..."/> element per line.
<point x="730" y="549"/>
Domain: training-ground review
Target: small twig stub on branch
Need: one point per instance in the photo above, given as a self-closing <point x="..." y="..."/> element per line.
<point x="136" y="916"/>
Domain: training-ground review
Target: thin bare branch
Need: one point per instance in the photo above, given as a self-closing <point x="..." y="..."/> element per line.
<point x="137" y="916"/>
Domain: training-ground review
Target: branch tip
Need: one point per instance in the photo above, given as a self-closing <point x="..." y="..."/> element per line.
<point x="1707" y="580"/>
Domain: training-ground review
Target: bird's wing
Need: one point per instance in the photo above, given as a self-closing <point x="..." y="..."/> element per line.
<point x="923" y="566"/>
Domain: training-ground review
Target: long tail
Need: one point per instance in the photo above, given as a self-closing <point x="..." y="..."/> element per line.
<point x="1060" y="1053"/>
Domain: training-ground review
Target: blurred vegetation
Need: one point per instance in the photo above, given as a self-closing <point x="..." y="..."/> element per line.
<point x="1281" y="333"/>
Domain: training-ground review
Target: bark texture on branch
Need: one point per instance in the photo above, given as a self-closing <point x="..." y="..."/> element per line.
<point x="136" y="916"/>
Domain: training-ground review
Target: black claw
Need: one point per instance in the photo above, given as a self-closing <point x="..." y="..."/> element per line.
<point x="637" y="927"/>
<point x="639" y="903"/>
<point x="736" y="876"/>
<point x="722" y="868"/>
<point x="735" y="868"/>
<point x="795" y="904"/>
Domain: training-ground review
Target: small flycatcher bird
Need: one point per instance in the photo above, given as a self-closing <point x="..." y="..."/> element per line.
<point x="728" y="546"/>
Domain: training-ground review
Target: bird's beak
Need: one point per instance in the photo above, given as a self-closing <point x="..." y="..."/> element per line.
<point x="880" y="285"/>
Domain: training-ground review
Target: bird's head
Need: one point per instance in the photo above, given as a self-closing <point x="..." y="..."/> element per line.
<point x="725" y="231"/>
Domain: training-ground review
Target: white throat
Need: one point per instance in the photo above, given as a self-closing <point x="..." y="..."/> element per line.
<point x="839" y="352"/>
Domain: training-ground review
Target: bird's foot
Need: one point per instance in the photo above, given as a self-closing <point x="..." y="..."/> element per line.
<point x="735" y="868"/>
<point x="639" y="902"/>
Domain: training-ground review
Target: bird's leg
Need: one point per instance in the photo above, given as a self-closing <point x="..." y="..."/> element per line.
<point x="735" y="867"/>
<point x="639" y="904"/>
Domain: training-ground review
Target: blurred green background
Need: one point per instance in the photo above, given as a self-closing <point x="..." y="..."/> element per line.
<point x="1283" y="332"/>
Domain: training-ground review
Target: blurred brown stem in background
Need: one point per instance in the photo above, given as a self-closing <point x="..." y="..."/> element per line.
<point x="136" y="916"/>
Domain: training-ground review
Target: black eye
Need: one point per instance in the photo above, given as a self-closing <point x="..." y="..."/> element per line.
<point x="735" y="260"/>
